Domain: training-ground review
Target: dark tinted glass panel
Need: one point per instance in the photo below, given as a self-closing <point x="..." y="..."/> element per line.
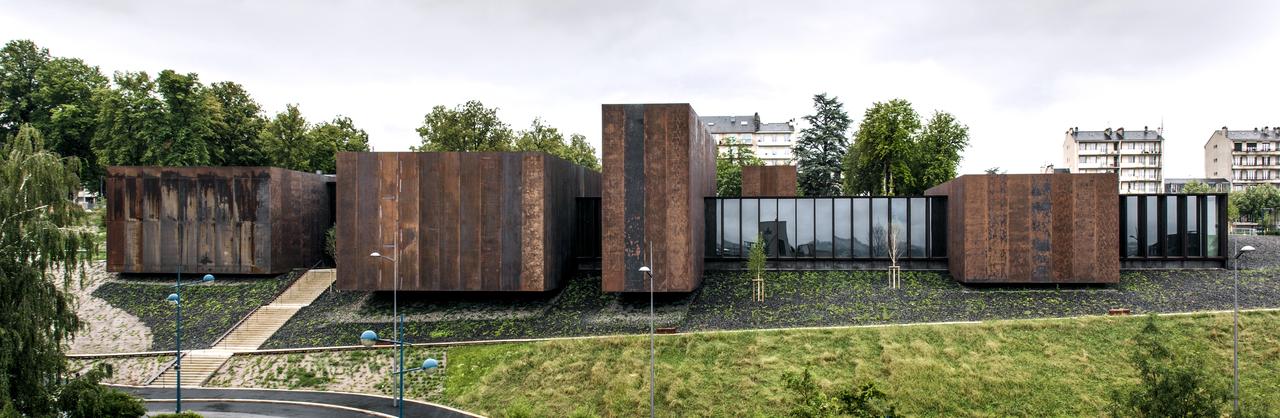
<point x="805" y="245"/>
<point x="938" y="235"/>
<point x="712" y="228"/>
<point x="768" y="225"/>
<point x="919" y="224"/>
<point x="861" y="228"/>
<point x="786" y="227"/>
<point x="822" y="227"/>
<point x="1172" y="245"/>
<point x="843" y="228"/>
<point x="730" y="245"/>
<point x="1193" y="226"/>
<point x="899" y="206"/>
<point x="879" y="227"/>
<point x="1131" y="226"/>
<point x="1211" y="226"/>
<point x="1153" y="226"/>
<point x="749" y="214"/>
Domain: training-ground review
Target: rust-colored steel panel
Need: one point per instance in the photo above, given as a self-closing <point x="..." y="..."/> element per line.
<point x="1032" y="228"/>
<point x="485" y="221"/>
<point x="769" y="180"/>
<point x="659" y="166"/>
<point x="232" y="220"/>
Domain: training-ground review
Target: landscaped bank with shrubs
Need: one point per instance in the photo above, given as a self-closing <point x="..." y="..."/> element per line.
<point x="1054" y="367"/>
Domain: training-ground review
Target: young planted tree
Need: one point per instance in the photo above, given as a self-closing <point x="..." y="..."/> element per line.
<point x="755" y="265"/>
<point x="821" y="148"/>
<point x="40" y="230"/>
<point x="1171" y="384"/>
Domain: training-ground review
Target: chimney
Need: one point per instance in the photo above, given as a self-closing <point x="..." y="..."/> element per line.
<point x="1120" y="133"/>
<point x="1144" y="130"/>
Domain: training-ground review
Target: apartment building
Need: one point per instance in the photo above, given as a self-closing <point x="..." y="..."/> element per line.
<point x="770" y="141"/>
<point x="1246" y="157"/>
<point x="1134" y="155"/>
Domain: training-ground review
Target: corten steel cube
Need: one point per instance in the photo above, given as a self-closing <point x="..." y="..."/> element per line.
<point x="463" y="221"/>
<point x="769" y="180"/>
<point x="659" y="165"/>
<point x="1032" y="228"/>
<point x="232" y="220"/>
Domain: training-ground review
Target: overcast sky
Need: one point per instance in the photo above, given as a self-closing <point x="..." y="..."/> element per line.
<point x="1018" y="73"/>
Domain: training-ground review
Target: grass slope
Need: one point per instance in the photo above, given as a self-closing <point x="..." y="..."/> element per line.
<point x="1063" y="367"/>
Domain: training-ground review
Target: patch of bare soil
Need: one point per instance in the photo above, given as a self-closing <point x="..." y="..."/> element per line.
<point x="107" y="329"/>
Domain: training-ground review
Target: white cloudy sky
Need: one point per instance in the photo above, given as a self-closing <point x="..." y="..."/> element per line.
<point x="1017" y="72"/>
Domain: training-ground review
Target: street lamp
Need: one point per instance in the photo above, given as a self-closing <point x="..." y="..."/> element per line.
<point x="370" y="338"/>
<point x="649" y="272"/>
<point x="1235" y="330"/>
<point x="176" y="299"/>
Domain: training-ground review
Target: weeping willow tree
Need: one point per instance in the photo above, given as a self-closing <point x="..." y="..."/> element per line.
<point x="41" y="230"/>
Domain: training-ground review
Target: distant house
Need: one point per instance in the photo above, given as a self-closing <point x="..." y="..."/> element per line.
<point x="770" y="141"/>
<point x="1134" y="155"/>
<point x="1245" y="157"/>
<point x="87" y="199"/>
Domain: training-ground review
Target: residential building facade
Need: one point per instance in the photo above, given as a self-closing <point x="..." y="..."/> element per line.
<point x="1245" y="157"/>
<point x="1135" y="155"/>
<point x="770" y="141"/>
<point x="1215" y="184"/>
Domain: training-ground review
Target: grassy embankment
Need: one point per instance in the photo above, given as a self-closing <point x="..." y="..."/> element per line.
<point x="1058" y="367"/>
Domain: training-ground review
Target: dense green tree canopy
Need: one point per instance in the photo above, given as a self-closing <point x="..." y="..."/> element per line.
<point x="1194" y="186"/>
<point x="40" y="230"/>
<point x="581" y="152"/>
<point x="894" y="154"/>
<point x="467" y="127"/>
<point x="329" y="138"/>
<point x="541" y="137"/>
<point x="285" y="140"/>
<point x="729" y="167"/>
<point x="821" y="147"/>
<point x="1253" y="202"/>
<point x="168" y="121"/>
<point x="235" y="138"/>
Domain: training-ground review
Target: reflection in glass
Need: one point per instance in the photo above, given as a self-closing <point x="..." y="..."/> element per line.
<point x="715" y="240"/>
<point x="749" y="213"/>
<point x="1153" y="226"/>
<point x="861" y="228"/>
<point x="1193" y="227"/>
<point x="899" y="206"/>
<point x="786" y="227"/>
<point x="804" y="228"/>
<point x="1211" y="226"/>
<point x="769" y="226"/>
<point x="1131" y="226"/>
<point x="822" y="227"/>
<point x="842" y="224"/>
<point x="730" y="244"/>
<point x="919" y="223"/>
<point x="1172" y="245"/>
<point x="879" y="227"/>
<point x="938" y="221"/>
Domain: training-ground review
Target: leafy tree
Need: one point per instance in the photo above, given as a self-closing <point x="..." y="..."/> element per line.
<point x="40" y="229"/>
<point x="467" y="127"/>
<point x="86" y="397"/>
<point x="993" y="171"/>
<point x="235" y="138"/>
<point x="879" y="162"/>
<point x="821" y="147"/>
<point x="329" y="138"/>
<point x="129" y="120"/>
<point x="54" y="95"/>
<point x="169" y="121"/>
<point x="1252" y="203"/>
<point x="285" y="139"/>
<point x="729" y="167"/>
<point x="191" y="112"/>
<point x="1194" y="186"/>
<point x="755" y="265"/>
<point x="582" y="153"/>
<point x="1172" y="385"/>
<point x="937" y="156"/>
<point x="541" y="138"/>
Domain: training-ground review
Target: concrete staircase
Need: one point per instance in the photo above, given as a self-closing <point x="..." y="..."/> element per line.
<point x="251" y="333"/>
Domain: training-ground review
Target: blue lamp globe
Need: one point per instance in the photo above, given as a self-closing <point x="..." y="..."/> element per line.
<point x="173" y="297"/>
<point x="429" y="364"/>
<point x="207" y="278"/>
<point x="368" y="338"/>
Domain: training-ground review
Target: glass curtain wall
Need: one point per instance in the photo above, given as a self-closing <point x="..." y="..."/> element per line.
<point x="1172" y="226"/>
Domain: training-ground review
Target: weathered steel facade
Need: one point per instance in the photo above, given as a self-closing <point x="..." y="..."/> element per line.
<point x="476" y="221"/>
<point x="234" y="220"/>
<point x="769" y="180"/>
<point x="659" y="165"/>
<point x="1032" y="228"/>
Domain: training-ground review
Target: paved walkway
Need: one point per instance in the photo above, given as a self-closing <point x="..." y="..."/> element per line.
<point x="288" y="403"/>
<point x="199" y="365"/>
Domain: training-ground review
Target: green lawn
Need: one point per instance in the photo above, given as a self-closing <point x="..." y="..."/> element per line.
<point x="1061" y="367"/>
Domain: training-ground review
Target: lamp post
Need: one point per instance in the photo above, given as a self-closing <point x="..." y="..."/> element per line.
<point x="369" y="338"/>
<point x="649" y="272"/>
<point x="1235" y="331"/>
<point x="397" y="327"/>
<point x="176" y="299"/>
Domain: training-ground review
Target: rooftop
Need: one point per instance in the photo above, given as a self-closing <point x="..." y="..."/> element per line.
<point x="742" y="124"/>
<point x="1266" y="132"/>
<point x="1118" y="134"/>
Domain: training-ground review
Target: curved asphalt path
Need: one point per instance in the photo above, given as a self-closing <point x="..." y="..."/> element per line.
<point x="289" y="403"/>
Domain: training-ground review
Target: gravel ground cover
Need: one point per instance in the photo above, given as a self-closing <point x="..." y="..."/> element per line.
<point x="208" y="309"/>
<point x="794" y="299"/>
